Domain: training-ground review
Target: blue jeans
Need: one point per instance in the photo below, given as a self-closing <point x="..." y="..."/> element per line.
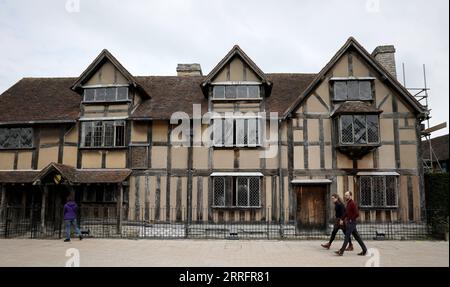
<point x="69" y="224"/>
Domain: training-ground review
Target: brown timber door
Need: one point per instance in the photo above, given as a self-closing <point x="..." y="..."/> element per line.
<point x="311" y="207"/>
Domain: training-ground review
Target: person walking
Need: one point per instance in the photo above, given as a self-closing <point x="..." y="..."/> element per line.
<point x="70" y="218"/>
<point x="350" y="216"/>
<point x="339" y="209"/>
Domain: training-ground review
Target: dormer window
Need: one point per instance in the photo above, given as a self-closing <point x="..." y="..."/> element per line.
<point x="236" y="92"/>
<point x="106" y="94"/>
<point x="352" y="90"/>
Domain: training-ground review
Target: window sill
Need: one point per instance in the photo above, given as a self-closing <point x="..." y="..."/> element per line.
<point x="102" y="148"/>
<point x="359" y="145"/>
<point x="106" y="102"/>
<point x="237" y="100"/>
<point x="236" y="207"/>
<point x="17" y="148"/>
<point x="237" y="147"/>
<point x="374" y="208"/>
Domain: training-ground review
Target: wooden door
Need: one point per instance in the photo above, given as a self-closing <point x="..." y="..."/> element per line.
<point x="311" y="207"/>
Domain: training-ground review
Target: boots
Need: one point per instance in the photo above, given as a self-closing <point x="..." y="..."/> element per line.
<point x="349" y="248"/>
<point x="339" y="252"/>
<point x="326" y="245"/>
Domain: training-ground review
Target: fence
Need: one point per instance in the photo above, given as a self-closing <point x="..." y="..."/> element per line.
<point x="103" y="222"/>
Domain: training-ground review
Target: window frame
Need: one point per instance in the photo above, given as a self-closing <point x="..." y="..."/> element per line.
<point x="367" y="143"/>
<point x="233" y="202"/>
<point x="236" y="87"/>
<point x="105" y="100"/>
<point x="93" y="124"/>
<point x="385" y="192"/>
<point x="236" y="129"/>
<point x="20" y="146"/>
<point x="359" y="98"/>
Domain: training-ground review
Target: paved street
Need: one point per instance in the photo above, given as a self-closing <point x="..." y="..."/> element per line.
<point x="193" y="253"/>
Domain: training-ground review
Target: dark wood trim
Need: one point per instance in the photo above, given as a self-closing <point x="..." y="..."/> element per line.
<point x="178" y="201"/>
<point x="137" y="201"/>
<point x="396" y="114"/>
<point x="210" y="199"/>
<point x="147" y="198"/>
<point x="382" y="101"/>
<point x="158" y="197"/>
<point x="16" y="160"/>
<point x="410" y="198"/>
<point x="420" y="170"/>
<point x="199" y="198"/>
<point x="306" y="115"/>
<point x="274" y="197"/>
<point x="169" y="171"/>
<point x="290" y="155"/>
<point x="305" y="140"/>
<point x="128" y="140"/>
<point x="119" y="208"/>
<point x="350" y="64"/>
<point x="104" y="159"/>
<point x="150" y="143"/>
<point x="322" y="144"/>
<point x="190" y="171"/>
<point x="396" y="133"/>
<point x="376" y="158"/>
<point x="79" y="155"/>
<point x="322" y="102"/>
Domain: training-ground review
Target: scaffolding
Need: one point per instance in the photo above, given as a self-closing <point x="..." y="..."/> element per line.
<point x="422" y="94"/>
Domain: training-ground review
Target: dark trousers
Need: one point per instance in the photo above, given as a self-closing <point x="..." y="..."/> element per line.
<point x="350" y="230"/>
<point x="336" y="229"/>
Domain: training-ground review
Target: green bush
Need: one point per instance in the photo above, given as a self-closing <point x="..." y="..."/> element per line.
<point x="436" y="192"/>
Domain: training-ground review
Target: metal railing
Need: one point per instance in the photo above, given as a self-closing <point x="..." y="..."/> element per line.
<point x="173" y="223"/>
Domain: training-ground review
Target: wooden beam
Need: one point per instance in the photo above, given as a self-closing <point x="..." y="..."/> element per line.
<point x="435" y="128"/>
<point x="421" y="171"/>
<point x="190" y="167"/>
<point x="119" y="208"/>
<point x="43" y="207"/>
<point x="158" y="197"/>
<point x="2" y="202"/>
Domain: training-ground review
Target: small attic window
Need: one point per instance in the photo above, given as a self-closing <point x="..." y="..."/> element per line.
<point x="353" y="90"/>
<point x="236" y="92"/>
<point x="106" y="94"/>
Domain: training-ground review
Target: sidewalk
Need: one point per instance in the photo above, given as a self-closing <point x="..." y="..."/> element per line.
<point x="191" y="253"/>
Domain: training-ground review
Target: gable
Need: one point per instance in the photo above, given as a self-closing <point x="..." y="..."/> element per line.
<point x="349" y="65"/>
<point x="106" y="74"/>
<point x="236" y="70"/>
<point x="352" y="60"/>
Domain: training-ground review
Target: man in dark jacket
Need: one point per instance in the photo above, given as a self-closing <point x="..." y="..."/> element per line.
<point x="351" y="213"/>
<point x="339" y="209"/>
<point x="70" y="218"/>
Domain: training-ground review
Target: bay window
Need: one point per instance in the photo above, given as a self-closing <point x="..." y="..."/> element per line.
<point x="358" y="129"/>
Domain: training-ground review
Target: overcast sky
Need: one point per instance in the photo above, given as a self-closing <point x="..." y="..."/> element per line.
<point x="58" y="38"/>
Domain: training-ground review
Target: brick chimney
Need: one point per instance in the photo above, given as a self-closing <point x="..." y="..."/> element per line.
<point x="385" y="55"/>
<point x="189" y="70"/>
